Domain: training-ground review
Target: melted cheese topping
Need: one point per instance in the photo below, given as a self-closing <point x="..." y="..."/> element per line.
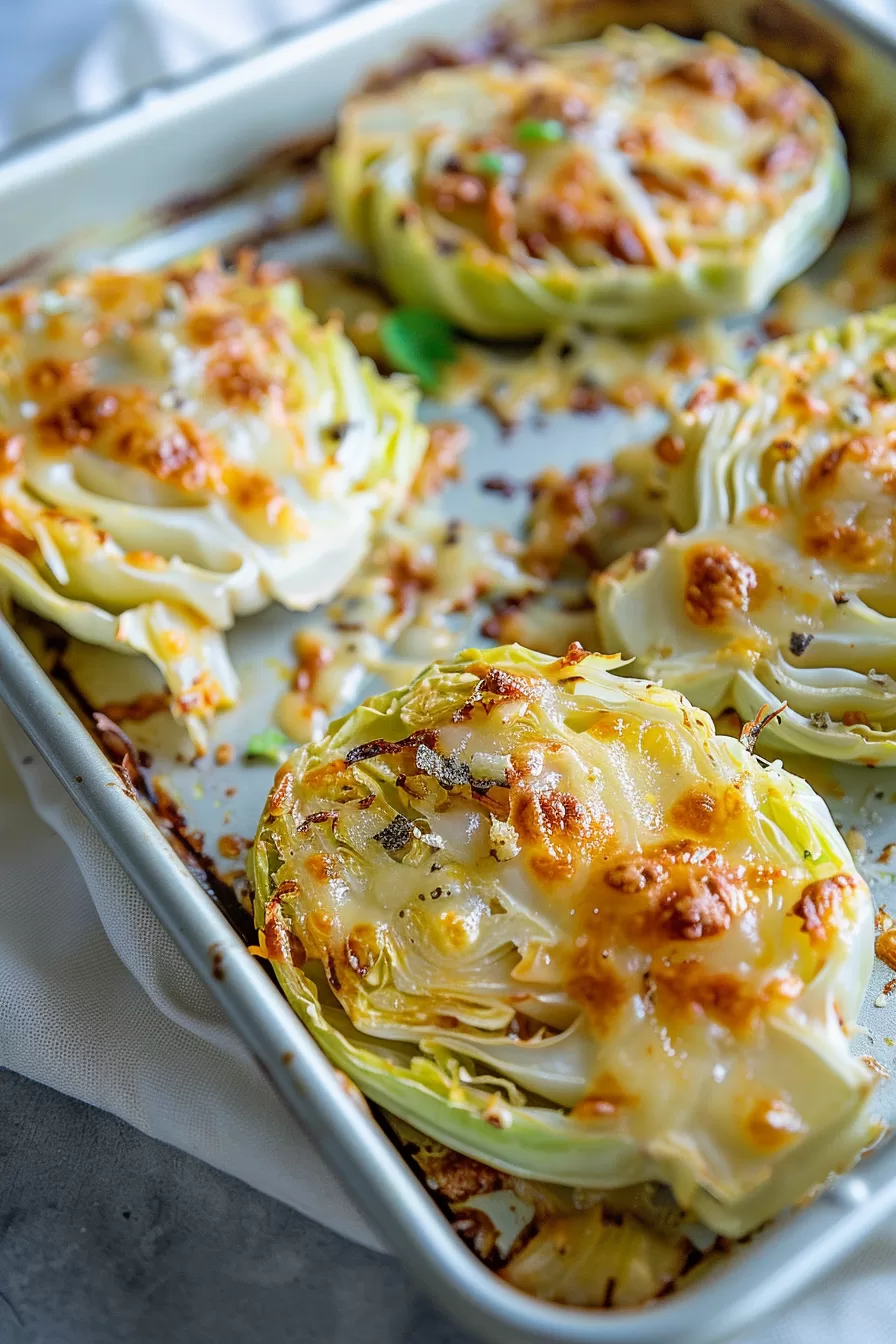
<point x="191" y="437"/>
<point x="190" y="379"/>
<point x="789" y="574"/>
<point x="569" y="878"/>
<point x="659" y="149"/>
<point x="642" y="151"/>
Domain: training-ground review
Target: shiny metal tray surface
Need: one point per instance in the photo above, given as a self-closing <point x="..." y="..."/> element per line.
<point x="145" y="185"/>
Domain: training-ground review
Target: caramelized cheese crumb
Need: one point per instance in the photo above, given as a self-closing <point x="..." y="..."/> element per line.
<point x="789" y="153"/>
<point x="458" y="1178"/>
<point x="574" y="655"/>
<point x="239" y="382"/>
<point x="183" y="456"/>
<point x="670" y="894"/>
<point x="670" y="448"/>
<point x="49" y="377"/>
<point x="146" y="560"/>
<point x="452" y="931"/>
<point x="208" y="326"/>
<point x="321" y="867"/>
<point x="281" y="797"/>
<point x="885" y="947"/>
<point x="719" y="582"/>
<point x="78" y="421"/>
<point x="362" y="947"/>
<point x="501" y="685"/>
<point x="254" y="492"/>
<point x="597" y="986"/>
<point x="12" y="446"/>
<point x="820" y="906"/>
<point x="876" y="456"/>
<point x="825" y="536"/>
<point x="448" y="440"/>
<point x="704" y="813"/>
<point x="716" y="75"/>
<point x="686" y="987"/>
<point x="563" y="513"/>
<point x="557" y="831"/>
<point x="773" y="1124"/>
<point x="232" y="846"/>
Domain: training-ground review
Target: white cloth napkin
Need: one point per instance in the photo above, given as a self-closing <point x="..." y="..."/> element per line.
<point x="95" y="999"/>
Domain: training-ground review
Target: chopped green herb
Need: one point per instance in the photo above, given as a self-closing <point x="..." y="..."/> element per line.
<point x="491" y="164"/>
<point x="418" y="342"/>
<point x="271" y="745"/>
<point x="534" y="132"/>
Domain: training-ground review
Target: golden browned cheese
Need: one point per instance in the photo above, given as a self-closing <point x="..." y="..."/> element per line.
<point x="777" y="586"/>
<point x="534" y="898"/>
<point x="705" y="812"/>
<point x="842" y="497"/>
<point x="570" y="204"/>
<point x="441" y="463"/>
<point x="670" y="900"/>
<point x="607" y="1098"/>
<point x="151" y="371"/>
<point x="719" y="582"/>
<point x="823" y="905"/>
<point x="557" y="830"/>
<point x="772" y="1125"/>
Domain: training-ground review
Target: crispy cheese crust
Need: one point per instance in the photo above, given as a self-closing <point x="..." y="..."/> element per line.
<point x="567" y="880"/>
<point x="780" y="585"/>
<point x="627" y="181"/>
<point x="181" y="446"/>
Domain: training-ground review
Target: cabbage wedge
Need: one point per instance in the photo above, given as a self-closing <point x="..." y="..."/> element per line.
<point x="781" y="586"/>
<point x="626" y="182"/>
<point x="545" y="915"/>
<point x="180" y="447"/>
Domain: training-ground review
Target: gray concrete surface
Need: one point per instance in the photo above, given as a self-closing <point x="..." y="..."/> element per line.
<point x="108" y="1237"/>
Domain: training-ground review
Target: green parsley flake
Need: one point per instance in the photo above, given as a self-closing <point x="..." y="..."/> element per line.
<point x="418" y="342"/>
<point x="490" y="164"/>
<point x="270" y="745"/>
<point x="533" y="132"/>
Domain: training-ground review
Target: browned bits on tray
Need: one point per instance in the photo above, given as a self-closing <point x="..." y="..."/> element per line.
<point x="441" y="463"/>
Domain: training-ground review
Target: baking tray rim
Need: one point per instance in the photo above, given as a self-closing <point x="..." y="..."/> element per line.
<point x="168" y="99"/>
<point x="732" y="1297"/>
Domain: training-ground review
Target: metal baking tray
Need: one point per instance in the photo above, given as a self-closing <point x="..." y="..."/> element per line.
<point x="153" y="181"/>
